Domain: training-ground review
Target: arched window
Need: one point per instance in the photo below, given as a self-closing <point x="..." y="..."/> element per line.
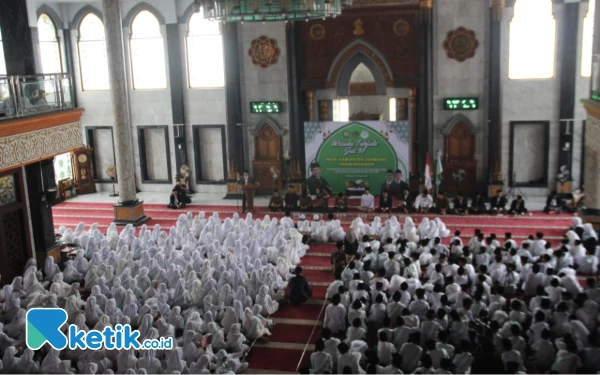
<point x="92" y="54"/>
<point x="49" y="45"/>
<point x="2" y="62"/>
<point x="588" y="40"/>
<point x="532" y="40"/>
<point x="204" y="53"/>
<point x="147" y="53"/>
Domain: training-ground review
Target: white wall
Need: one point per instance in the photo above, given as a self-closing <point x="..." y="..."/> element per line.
<point x="147" y="107"/>
<point x="530" y="100"/>
<point x="461" y="79"/>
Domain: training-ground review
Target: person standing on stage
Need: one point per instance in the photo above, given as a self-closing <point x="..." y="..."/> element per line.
<point x="389" y="185"/>
<point x="400" y="184"/>
<point x="244" y="181"/>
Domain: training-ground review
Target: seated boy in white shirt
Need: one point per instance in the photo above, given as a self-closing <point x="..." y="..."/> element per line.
<point x="424" y="202"/>
<point x="367" y="201"/>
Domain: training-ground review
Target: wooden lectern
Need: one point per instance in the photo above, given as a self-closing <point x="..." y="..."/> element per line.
<point x="249" y="190"/>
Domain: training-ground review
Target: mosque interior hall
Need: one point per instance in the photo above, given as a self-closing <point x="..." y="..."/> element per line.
<point x="300" y="186"/>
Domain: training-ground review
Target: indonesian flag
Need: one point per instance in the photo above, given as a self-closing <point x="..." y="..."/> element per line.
<point x="427" y="172"/>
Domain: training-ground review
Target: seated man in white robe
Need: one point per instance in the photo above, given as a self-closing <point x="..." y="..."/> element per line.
<point x="423" y="202"/>
<point x="367" y="201"/>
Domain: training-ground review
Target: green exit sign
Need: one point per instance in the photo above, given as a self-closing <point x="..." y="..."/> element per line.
<point x="265" y="107"/>
<point x="455" y="104"/>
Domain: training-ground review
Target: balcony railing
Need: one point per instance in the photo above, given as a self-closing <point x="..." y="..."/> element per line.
<point x="30" y="95"/>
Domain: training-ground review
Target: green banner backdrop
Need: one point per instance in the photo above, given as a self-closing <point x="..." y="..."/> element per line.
<point x="356" y="155"/>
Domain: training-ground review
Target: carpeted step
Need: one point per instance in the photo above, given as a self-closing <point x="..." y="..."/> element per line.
<point x="275" y="359"/>
<point x="312" y="260"/>
<point x="305" y="311"/>
<point x="318" y="275"/>
<point x="296" y="334"/>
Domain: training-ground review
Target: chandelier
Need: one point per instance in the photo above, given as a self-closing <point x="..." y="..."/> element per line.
<point x="270" y="10"/>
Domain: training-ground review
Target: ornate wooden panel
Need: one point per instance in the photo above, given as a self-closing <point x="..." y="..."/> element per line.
<point x="268" y="163"/>
<point x="460" y="166"/>
<point x="392" y="30"/>
<point x="460" y="144"/>
<point x="14" y="235"/>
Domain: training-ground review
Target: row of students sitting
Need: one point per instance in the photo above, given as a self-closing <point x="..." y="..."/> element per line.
<point x="404" y="203"/>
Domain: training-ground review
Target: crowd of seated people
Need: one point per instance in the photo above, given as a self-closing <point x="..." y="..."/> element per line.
<point x="409" y="304"/>
<point x="403" y="202"/>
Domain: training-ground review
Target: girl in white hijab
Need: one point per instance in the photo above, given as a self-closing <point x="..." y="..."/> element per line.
<point x="70" y="273"/>
<point x="443" y="231"/>
<point x="194" y="322"/>
<point x="103" y="323"/>
<point x="165" y="329"/>
<point x="218" y="337"/>
<point x="26" y="363"/>
<point x="190" y="346"/>
<point x="201" y="366"/>
<point x="175" y="318"/>
<point x="16" y="328"/>
<point x="51" y="363"/>
<point x="253" y="327"/>
<point x="235" y="339"/>
<point x="80" y="323"/>
<point x="175" y="362"/>
<point x="230" y="318"/>
<point x="93" y="312"/>
<point x="50" y="268"/>
<point x="115" y="314"/>
<point x="264" y="300"/>
<point x="149" y="362"/>
<point x="9" y="361"/>
<point x="126" y="360"/>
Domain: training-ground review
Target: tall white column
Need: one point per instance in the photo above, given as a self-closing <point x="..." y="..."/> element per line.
<point x="113" y="30"/>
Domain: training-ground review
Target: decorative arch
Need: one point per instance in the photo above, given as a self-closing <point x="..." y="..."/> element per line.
<point x="267" y="121"/>
<point x="84" y="12"/>
<point x="349" y="58"/>
<point x="459" y="118"/>
<point x="187" y="14"/>
<point x="52" y="14"/>
<point x="141" y="7"/>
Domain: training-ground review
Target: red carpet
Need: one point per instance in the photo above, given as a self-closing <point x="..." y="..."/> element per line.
<point x="295" y="334"/>
<point x="274" y="359"/>
<point x="294" y="324"/>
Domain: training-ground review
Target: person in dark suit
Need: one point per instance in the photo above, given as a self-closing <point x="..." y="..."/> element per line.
<point x="404" y="201"/>
<point x="553" y="204"/>
<point x="478" y="204"/>
<point x="174" y="201"/>
<point x="460" y="205"/>
<point x="498" y="203"/>
<point x="291" y="199"/>
<point x="517" y="206"/>
<point x="385" y="202"/>
<point x="400" y="184"/>
<point x="244" y="181"/>
<point x="389" y="185"/>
